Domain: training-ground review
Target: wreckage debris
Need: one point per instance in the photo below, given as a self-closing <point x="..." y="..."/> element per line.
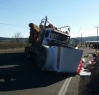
<point x="85" y="71"/>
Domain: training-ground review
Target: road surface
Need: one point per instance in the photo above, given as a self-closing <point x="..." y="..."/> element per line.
<point x="19" y="77"/>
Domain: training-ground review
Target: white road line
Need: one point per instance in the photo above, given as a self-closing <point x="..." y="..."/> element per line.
<point x="13" y="67"/>
<point x="65" y="86"/>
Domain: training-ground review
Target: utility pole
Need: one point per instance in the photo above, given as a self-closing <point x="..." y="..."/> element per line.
<point x="79" y="31"/>
<point x="81" y="39"/>
<point x="97" y="36"/>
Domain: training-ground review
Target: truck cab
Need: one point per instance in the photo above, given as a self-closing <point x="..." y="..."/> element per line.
<point x="54" y="37"/>
<point x="54" y="49"/>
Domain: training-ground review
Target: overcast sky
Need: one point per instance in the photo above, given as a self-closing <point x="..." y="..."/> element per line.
<point x="81" y="15"/>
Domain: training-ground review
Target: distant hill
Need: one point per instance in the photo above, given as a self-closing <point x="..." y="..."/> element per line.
<point x="10" y="39"/>
<point x="90" y="38"/>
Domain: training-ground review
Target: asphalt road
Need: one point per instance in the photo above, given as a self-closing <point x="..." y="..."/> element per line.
<point x="19" y="77"/>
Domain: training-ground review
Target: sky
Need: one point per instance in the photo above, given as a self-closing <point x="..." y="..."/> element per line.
<point x="81" y="15"/>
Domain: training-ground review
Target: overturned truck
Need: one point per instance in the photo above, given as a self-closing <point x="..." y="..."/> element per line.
<point x="52" y="49"/>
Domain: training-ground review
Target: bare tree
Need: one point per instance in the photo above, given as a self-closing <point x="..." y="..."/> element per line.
<point x="18" y="37"/>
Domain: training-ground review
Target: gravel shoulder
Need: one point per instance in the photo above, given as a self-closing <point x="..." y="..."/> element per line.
<point x="90" y="85"/>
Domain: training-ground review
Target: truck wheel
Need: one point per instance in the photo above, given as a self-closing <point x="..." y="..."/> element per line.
<point x="40" y="60"/>
<point x="27" y="53"/>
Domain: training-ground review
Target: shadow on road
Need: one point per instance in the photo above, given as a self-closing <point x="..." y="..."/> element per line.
<point x="29" y="79"/>
<point x="25" y="77"/>
<point x="9" y="60"/>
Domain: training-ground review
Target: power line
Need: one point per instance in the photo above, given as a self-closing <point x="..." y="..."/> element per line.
<point x="16" y="11"/>
<point x="13" y="25"/>
<point x="22" y="12"/>
<point x="23" y="7"/>
<point x="13" y="18"/>
<point x="37" y="12"/>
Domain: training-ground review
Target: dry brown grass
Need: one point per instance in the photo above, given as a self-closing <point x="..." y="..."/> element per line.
<point x="14" y="50"/>
<point x="12" y="45"/>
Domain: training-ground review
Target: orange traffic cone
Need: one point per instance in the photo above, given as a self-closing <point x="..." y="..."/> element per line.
<point x="79" y="67"/>
<point x="78" y="70"/>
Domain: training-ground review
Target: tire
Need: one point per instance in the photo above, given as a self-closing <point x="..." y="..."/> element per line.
<point x="40" y="60"/>
<point x="26" y="48"/>
<point x="27" y="53"/>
